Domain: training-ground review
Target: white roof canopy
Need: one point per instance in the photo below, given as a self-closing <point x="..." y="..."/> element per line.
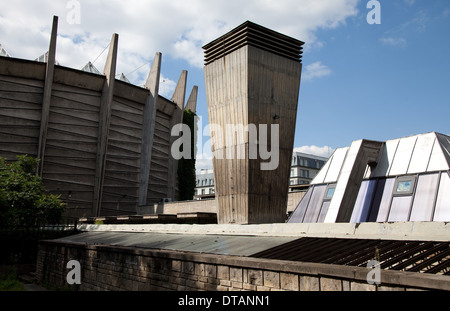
<point x="421" y="153"/>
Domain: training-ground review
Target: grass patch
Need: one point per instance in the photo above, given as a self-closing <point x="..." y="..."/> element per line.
<point x="10" y="282"/>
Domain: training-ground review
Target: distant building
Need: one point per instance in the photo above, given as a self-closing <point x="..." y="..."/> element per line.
<point x="304" y="168"/>
<point x="204" y="184"/>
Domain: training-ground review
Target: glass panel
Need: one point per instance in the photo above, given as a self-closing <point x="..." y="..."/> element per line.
<point x="400" y="208"/>
<point x="299" y="212"/>
<point x="442" y="212"/>
<point x="336" y="164"/>
<point x="404" y="186"/>
<point x="423" y="205"/>
<point x="421" y="154"/>
<point x="323" y="211"/>
<point x="330" y="192"/>
<point x="315" y="204"/>
<point x="383" y="196"/>
<point x="403" y="156"/>
<point x="363" y="201"/>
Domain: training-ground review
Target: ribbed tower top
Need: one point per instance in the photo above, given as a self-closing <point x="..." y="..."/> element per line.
<point x="255" y="35"/>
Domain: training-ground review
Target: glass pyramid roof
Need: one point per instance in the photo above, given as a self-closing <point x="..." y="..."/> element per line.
<point x="44" y="58"/>
<point x="3" y="52"/>
<point x="123" y="78"/>
<point x="89" y="67"/>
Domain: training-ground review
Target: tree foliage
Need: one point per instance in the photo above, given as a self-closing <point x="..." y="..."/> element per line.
<point x="186" y="167"/>
<point x="24" y="202"/>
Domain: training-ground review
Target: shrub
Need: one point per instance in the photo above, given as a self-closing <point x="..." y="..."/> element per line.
<point x="186" y="167"/>
<point x="24" y="201"/>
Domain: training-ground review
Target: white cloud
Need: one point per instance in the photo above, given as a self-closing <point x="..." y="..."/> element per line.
<point x="324" y="151"/>
<point x="203" y="161"/>
<point x="166" y="87"/>
<point x="400" y="42"/>
<point x="315" y="70"/>
<point x="177" y="28"/>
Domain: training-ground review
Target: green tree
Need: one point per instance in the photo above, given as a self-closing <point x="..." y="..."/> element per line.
<point x="24" y="202"/>
<point x="186" y="167"/>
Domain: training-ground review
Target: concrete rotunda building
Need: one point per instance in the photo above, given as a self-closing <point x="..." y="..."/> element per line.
<point x="104" y="144"/>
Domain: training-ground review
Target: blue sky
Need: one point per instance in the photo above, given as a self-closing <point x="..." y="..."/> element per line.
<point x="360" y="81"/>
<point x="386" y="81"/>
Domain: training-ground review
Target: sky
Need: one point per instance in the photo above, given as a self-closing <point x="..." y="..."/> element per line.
<point x="375" y="70"/>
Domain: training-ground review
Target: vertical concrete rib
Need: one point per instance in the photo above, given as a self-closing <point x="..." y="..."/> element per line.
<point x="104" y="122"/>
<point x="178" y="98"/>
<point x="192" y="101"/>
<point x="360" y="154"/>
<point x="49" y="73"/>
<point x="148" y="129"/>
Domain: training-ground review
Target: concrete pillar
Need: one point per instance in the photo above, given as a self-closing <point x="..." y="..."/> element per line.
<point x="192" y="101"/>
<point x="47" y="96"/>
<point x="104" y="122"/>
<point x="178" y="98"/>
<point x="360" y="154"/>
<point x="148" y="129"/>
<point x="252" y="77"/>
<point x="179" y="95"/>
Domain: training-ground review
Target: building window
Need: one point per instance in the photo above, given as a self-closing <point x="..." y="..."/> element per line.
<point x="424" y="199"/>
<point x="203" y="191"/>
<point x="405" y="185"/>
<point x="442" y="212"/>
<point x="402" y="198"/>
<point x="304" y="173"/>
<point x="330" y="192"/>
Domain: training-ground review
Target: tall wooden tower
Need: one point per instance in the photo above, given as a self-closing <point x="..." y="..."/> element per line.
<point x="252" y="79"/>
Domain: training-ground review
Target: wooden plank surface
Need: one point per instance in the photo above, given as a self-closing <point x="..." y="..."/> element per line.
<point x="245" y="87"/>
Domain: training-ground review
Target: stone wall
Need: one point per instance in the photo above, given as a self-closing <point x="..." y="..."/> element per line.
<point x="121" y="268"/>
